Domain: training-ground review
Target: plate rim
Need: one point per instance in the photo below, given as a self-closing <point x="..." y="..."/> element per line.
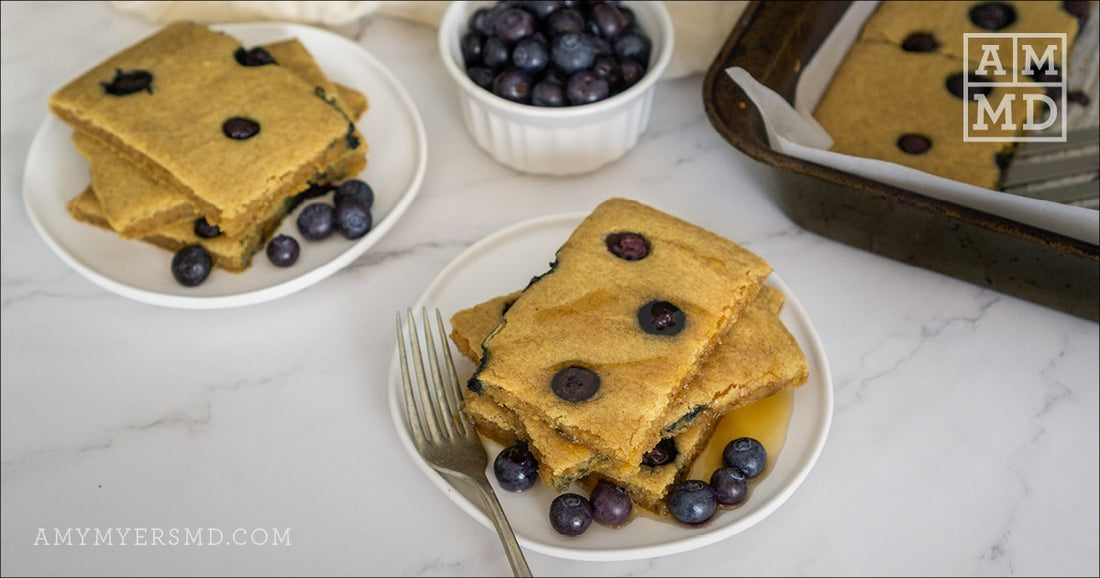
<point x="307" y="35"/>
<point x="690" y="541"/>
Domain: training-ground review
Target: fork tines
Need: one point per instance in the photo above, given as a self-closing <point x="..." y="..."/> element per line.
<point x="439" y="396"/>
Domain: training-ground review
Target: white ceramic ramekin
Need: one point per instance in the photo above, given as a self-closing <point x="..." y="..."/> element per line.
<point x="556" y="141"/>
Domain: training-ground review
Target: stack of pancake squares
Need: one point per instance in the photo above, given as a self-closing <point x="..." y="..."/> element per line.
<point x="645" y="331"/>
<point x="189" y="124"/>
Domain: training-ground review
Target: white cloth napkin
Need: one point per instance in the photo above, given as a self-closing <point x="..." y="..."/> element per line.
<point x="700" y="26"/>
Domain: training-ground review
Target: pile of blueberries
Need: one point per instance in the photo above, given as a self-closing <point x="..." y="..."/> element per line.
<point x="691" y="502"/>
<point x="553" y="53"/>
<point x="349" y="213"/>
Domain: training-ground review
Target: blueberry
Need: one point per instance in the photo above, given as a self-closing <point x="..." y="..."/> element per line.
<point x="631" y="71"/>
<point x="482" y="19"/>
<point x="1078" y="8"/>
<point x="746" y="454"/>
<point x="191" y="265"/>
<point x="691" y="501"/>
<point x="608" y="20"/>
<point x="564" y="21"/>
<point x="541" y="8"/>
<point x="627" y="245"/>
<point x="920" y="42"/>
<point x="282" y="250"/>
<point x="914" y="144"/>
<point x="516" y="468"/>
<point x="954" y="85"/>
<point x="628" y="14"/>
<point x="494" y="54"/>
<point x="607" y="66"/>
<point x="661" y="318"/>
<point x="513" y="84"/>
<point x="240" y="128"/>
<point x="548" y="93"/>
<point x="353" y="219"/>
<point x="530" y="55"/>
<point x="471" y="45"/>
<point x="482" y="76"/>
<point x="354" y="190"/>
<point x="731" y="487"/>
<point x="570" y="514"/>
<point x="664" y="452"/>
<point x="204" y="229"/>
<point x="256" y="56"/>
<point x="634" y="45"/>
<point x="611" y="504"/>
<point x="572" y="52"/>
<point x="129" y="82"/>
<point x="586" y="87"/>
<point x="600" y="45"/>
<point x="575" y="383"/>
<point x="993" y="15"/>
<point x="513" y="25"/>
<point x="317" y="221"/>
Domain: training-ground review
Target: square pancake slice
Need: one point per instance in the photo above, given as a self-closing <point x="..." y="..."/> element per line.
<point x="757" y="357"/>
<point x="234" y="138"/>
<point x="230" y="252"/>
<point x="597" y="347"/>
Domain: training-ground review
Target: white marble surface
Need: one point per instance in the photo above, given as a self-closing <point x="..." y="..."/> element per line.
<point x="964" y="438"/>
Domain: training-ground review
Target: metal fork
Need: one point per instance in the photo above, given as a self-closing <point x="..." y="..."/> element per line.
<point x="444" y="435"/>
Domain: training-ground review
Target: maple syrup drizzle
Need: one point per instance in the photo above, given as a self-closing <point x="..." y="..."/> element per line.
<point x="766" y="420"/>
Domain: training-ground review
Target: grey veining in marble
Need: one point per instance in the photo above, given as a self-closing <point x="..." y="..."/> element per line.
<point x="964" y="439"/>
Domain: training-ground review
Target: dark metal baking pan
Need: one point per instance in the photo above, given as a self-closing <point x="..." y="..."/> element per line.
<point x="772" y="41"/>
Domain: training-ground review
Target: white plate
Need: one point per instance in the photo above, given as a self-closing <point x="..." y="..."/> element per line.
<point x="398" y="155"/>
<point x="506" y="261"/>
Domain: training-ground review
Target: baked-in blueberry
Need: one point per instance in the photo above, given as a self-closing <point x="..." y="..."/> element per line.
<point x="993" y="15"/>
<point x="627" y="245"/>
<point x="954" y="85"/>
<point x="256" y="56"/>
<point x="575" y="383"/>
<point x="664" y="452"/>
<point x="129" y="82"/>
<point x="240" y="128"/>
<point x="661" y="318"/>
<point x="204" y="229"/>
<point x="914" y="144"/>
<point x="920" y="42"/>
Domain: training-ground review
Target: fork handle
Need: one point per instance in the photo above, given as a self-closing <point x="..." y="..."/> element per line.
<point x="504" y="529"/>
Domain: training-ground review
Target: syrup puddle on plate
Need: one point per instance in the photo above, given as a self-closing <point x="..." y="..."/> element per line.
<point x="765" y="420"/>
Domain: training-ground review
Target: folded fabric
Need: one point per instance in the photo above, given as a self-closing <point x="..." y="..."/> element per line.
<point x="700" y="27"/>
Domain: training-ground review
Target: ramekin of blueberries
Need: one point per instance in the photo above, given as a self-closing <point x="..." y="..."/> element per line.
<point x="556" y="87"/>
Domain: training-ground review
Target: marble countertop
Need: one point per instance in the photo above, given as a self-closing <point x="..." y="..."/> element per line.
<point x="963" y="442"/>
